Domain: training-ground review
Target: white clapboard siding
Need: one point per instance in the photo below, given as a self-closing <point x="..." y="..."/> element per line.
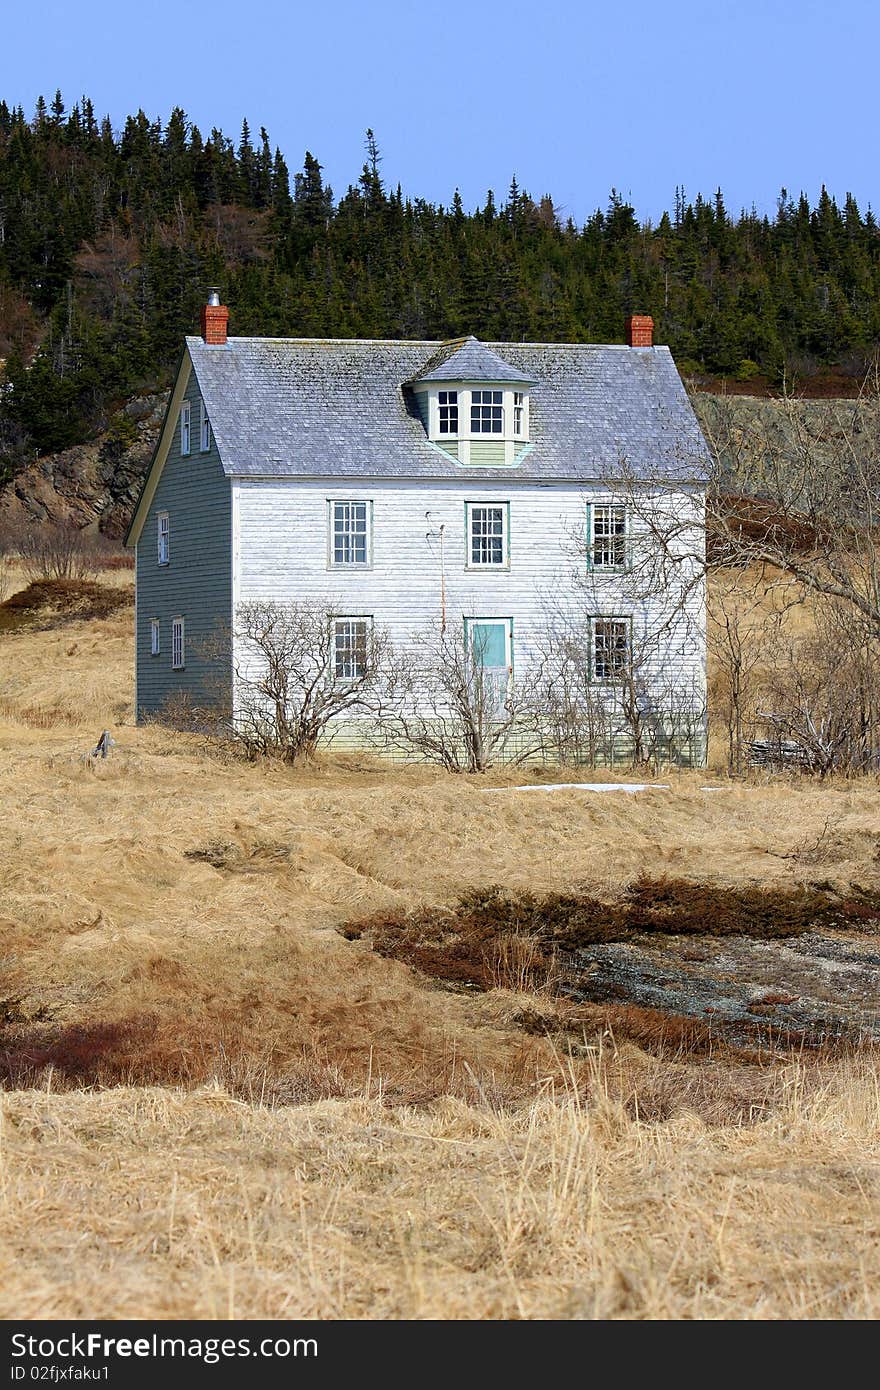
<point x="281" y="553"/>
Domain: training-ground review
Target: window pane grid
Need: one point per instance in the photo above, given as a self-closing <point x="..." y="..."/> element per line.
<point x="448" y="407"/>
<point x="487" y="535"/>
<point x="164" y="539"/>
<point x="610" y="648"/>
<point x="486" y="412"/>
<point x="518" y="412"/>
<point x="350" y="648"/>
<point x="185" y="413"/>
<point x="349" y="533"/>
<point x="177" y="644"/>
<point x="609" y="538"/>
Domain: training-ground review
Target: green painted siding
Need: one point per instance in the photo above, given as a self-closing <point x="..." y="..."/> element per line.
<point x="197" y="583"/>
<point x="487" y="453"/>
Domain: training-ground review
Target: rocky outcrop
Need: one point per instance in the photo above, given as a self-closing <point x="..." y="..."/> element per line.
<point x="95" y="485"/>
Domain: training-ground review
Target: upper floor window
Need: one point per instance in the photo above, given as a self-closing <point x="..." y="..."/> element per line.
<point x="178" y="644"/>
<point x="608" y="538"/>
<point x="487" y="414"/>
<point x="186" y="428"/>
<point x="611" y="648"/>
<point x="164" y="538"/>
<point x="519" y="413"/>
<point x="447" y="405"/>
<point x="154" y="637"/>
<point x="350" y="648"/>
<point x="350" y="533"/>
<point x="487" y="535"/>
<point x="205" y="433"/>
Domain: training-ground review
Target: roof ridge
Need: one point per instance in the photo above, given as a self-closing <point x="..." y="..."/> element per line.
<point x="438" y="343"/>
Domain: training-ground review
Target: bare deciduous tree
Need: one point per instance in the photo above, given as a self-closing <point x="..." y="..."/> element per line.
<point x="807" y="500"/>
<point x="296" y="671"/>
<point x="440" y="703"/>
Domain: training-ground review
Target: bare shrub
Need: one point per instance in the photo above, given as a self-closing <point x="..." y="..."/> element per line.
<point x="640" y="716"/>
<point x="295" y="674"/>
<point x="59" y="550"/>
<point x="822" y="696"/>
<point x="440" y="703"/>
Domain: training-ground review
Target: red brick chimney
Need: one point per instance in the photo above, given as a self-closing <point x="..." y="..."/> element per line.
<point x="640" y="330"/>
<point x="215" y="317"/>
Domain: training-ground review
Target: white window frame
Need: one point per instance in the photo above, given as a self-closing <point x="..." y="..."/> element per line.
<point x="615" y="678"/>
<point x="204" y="430"/>
<point x="519" y="414"/>
<point x="333" y="562"/>
<point x="606" y="545"/>
<point x="178" y="644"/>
<point x="448" y="416"/>
<point x="472" y="510"/>
<point x="163" y="538"/>
<point x="478" y="406"/>
<point x="340" y="620"/>
<point x="155" y="637"/>
<point x="186" y="429"/>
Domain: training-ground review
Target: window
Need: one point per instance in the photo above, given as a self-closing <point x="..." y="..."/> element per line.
<point x="205" y="431"/>
<point x="350" y="648"/>
<point x="448" y="408"/>
<point x="350" y="533"/>
<point x="608" y="540"/>
<point x="185" y="428"/>
<point x="164" y="538"/>
<point x="610" y="648"/>
<point x="154" y="637"/>
<point x="178" y="644"/>
<point x="486" y="412"/>
<point x="487" y="535"/>
<point x="519" y="412"/>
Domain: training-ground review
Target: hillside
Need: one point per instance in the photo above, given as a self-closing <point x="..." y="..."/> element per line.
<point x="108" y="240"/>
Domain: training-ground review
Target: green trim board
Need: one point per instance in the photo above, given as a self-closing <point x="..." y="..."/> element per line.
<point x="609" y="618"/>
<point x="590" y="546"/>
<point x="486" y="502"/>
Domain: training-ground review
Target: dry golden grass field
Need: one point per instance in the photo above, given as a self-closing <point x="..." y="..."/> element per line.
<point x="216" y="1104"/>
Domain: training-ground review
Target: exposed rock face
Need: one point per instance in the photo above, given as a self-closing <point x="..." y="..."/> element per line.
<point x="817" y="988"/>
<point x="95" y="484"/>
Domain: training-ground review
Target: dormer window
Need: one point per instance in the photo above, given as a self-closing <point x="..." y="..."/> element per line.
<point x="474" y="405"/>
<point x="487" y="412"/>
<point x="447" y="405"/>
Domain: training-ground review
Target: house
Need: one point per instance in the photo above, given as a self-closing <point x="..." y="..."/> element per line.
<point x="500" y="490"/>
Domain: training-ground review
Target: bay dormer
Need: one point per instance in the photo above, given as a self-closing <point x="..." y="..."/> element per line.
<point x="474" y="405"/>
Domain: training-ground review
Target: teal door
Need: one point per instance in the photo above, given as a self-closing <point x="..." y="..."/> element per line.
<point x="491" y="647"/>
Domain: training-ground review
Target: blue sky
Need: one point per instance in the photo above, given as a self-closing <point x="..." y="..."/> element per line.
<point x="572" y="98"/>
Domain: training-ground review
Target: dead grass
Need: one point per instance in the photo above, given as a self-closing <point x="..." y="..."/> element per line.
<point x="168" y="917"/>
<point x="196" y="1205"/>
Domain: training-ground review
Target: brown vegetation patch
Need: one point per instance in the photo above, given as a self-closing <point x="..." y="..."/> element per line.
<point x="469" y="946"/>
<point x="53" y="602"/>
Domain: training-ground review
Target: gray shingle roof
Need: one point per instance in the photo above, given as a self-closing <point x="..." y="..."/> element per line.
<point x="302" y="407"/>
<point x="470" y="360"/>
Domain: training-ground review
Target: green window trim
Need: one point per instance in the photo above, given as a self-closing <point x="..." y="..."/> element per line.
<point x="610" y="682"/>
<point x="626" y="565"/>
<point x="502" y="565"/>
